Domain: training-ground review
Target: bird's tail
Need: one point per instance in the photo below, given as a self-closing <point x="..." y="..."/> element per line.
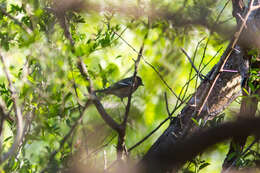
<point x="106" y="91"/>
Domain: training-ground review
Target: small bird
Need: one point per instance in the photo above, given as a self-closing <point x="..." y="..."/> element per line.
<point x="122" y="88"/>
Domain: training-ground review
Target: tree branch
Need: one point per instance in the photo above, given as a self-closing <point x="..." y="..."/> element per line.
<point x="106" y="117"/>
<point x="187" y="148"/>
<point x="150" y="65"/>
<point x="121" y="135"/>
<point x="218" y="93"/>
<point x="192" y="64"/>
<point x="24" y="27"/>
<point x="18" y="114"/>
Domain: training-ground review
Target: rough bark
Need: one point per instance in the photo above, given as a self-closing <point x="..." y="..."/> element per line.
<point x="248" y="104"/>
<point x="226" y="89"/>
<point x="187" y="148"/>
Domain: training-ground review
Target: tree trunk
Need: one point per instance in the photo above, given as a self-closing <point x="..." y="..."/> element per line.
<point x="226" y="89"/>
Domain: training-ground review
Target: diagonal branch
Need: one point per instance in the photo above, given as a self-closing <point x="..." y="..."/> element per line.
<point x="192" y="64"/>
<point x="222" y="89"/>
<point x="187" y="148"/>
<point x="106" y="117"/>
<point x="167" y="105"/>
<point x="150" y="65"/>
<point x="222" y="62"/>
<point x="147" y="136"/>
<point x="16" y="21"/>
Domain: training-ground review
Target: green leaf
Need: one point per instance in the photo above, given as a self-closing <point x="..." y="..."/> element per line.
<point x="195" y="121"/>
<point x="119" y="56"/>
<point x="252" y="87"/>
<point x="204" y="165"/>
<point x="245" y="91"/>
<point x="231" y="155"/>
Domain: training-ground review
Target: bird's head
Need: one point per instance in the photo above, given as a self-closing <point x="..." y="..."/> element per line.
<point x="139" y="81"/>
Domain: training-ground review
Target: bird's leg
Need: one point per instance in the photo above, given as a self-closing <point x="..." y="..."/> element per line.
<point x="122" y="100"/>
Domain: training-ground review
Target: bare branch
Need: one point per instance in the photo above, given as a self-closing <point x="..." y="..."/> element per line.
<point x="18" y="114"/>
<point x="220" y="13"/>
<point x="186" y="86"/>
<point x="147" y="136"/>
<point x="106" y="117"/>
<point x="149" y="64"/>
<point x="192" y="64"/>
<point x="167" y="104"/>
<point x="134" y="77"/>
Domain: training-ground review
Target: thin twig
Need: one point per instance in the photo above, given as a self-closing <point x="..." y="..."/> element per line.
<point x="149" y="64"/>
<point x="134" y="83"/>
<point x="186" y="86"/>
<point x="167" y="104"/>
<point x="147" y="136"/>
<point x="211" y="59"/>
<point x="158" y="127"/>
<point x="105" y="160"/>
<point x="101" y="147"/>
<point x="192" y="64"/>
<point x="222" y="10"/>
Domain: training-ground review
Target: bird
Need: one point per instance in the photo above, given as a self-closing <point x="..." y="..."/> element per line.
<point x="122" y="88"/>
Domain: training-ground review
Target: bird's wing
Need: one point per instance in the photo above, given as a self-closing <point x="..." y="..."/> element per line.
<point x="101" y="90"/>
<point x="126" y="81"/>
<point x="122" y="83"/>
<point x="118" y="85"/>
